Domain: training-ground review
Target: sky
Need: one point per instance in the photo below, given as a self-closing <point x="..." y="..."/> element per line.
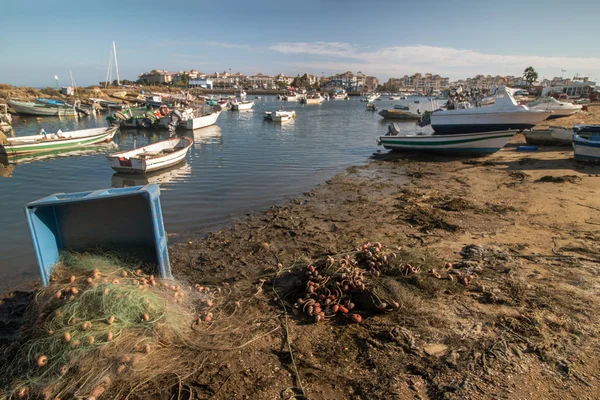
<point x="383" y="38"/>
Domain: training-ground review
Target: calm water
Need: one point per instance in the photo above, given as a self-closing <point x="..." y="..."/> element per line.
<point x="240" y="165"/>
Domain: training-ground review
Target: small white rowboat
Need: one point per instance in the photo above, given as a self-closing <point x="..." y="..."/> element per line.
<point x="152" y="157"/>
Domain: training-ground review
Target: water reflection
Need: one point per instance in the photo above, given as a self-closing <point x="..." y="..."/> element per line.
<point x="209" y="135"/>
<point x="177" y="173"/>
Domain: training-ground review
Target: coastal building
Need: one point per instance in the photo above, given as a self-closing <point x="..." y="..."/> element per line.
<point x="424" y="83"/>
<point x="261" y="81"/>
<point x="579" y="86"/>
<point x="346" y="80"/>
<point x="371" y="84"/>
<point x="204" y="83"/>
<point x="157" y="76"/>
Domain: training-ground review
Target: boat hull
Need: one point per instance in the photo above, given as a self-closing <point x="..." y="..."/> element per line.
<point x="201" y="122"/>
<point x="549" y="137"/>
<point x="242" y="106"/>
<point x="37" y="146"/>
<point x="473" y="143"/>
<point x="24" y="108"/>
<point x="139" y="166"/>
<point x="398" y="114"/>
<point x="454" y="122"/>
<point x="586" y="150"/>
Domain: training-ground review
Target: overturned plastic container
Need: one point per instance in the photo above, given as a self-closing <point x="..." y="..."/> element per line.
<point x="125" y="221"/>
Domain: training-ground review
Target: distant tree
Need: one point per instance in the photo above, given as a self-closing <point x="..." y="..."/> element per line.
<point x="530" y="75"/>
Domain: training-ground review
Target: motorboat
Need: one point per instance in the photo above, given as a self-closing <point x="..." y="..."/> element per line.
<point x="291" y="97"/>
<point x="279" y="115"/>
<point x="190" y="118"/>
<point x="550" y="136"/>
<point x="504" y="114"/>
<point x="241" y="105"/>
<point x="312" y="99"/>
<point x="152" y="157"/>
<point x="586" y="142"/>
<point x="371" y="107"/>
<point x="339" y="96"/>
<point x="466" y="143"/>
<point x="399" y="114"/>
<point x="559" y="108"/>
<point x="59" y="140"/>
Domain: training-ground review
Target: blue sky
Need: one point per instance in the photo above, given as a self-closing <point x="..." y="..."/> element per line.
<point x="382" y="38"/>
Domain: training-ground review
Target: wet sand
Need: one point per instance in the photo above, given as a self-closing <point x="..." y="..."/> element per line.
<point x="526" y="325"/>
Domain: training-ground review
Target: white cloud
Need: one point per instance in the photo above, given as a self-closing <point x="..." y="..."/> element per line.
<point x="400" y="60"/>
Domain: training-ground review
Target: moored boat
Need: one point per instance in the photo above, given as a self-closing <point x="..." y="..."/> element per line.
<point x="241" y="105"/>
<point x="399" y="114"/>
<point x="56" y="141"/>
<point x="42" y="110"/>
<point x="152" y="157"/>
<point x="551" y="136"/>
<point x="190" y="118"/>
<point x="279" y="116"/>
<point x="467" y="143"/>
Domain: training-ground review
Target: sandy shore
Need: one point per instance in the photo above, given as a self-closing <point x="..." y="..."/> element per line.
<point x="526" y="325"/>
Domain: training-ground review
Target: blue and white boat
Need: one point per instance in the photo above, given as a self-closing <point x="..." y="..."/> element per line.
<point x="465" y="143"/>
<point x="586" y="142"/>
<point x="51" y="102"/>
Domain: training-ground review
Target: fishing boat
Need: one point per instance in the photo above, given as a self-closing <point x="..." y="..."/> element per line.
<point x="173" y="174"/>
<point x="291" y="96"/>
<point x="586" y="142"/>
<point x="339" y="96"/>
<point x="152" y="157"/>
<point x="43" y="110"/>
<point x="312" y="99"/>
<point x="399" y="114"/>
<point x="559" y="108"/>
<point x="551" y="136"/>
<point x="504" y="114"/>
<point x="241" y="105"/>
<point x="371" y="107"/>
<point x="279" y="116"/>
<point x="190" y="118"/>
<point x="466" y="143"/>
<point x="56" y="141"/>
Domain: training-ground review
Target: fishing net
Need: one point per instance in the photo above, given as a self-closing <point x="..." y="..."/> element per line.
<point x="104" y="326"/>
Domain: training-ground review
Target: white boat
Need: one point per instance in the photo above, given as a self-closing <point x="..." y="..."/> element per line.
<point x="190" y="118"/>
<point x="504" y="114"/>
<point x="45" y="142"/>
<point x="312" y="99"/>
<point x="152" y="157"/>
<point x="291" y="97"/>
<point x="241" y="94"/>
<point x="44" y="110"/>
<point x="241" y="105"/>
<point x="279" y="116"/>
<point x="559" y="108"/>
<point x="223" y="103"/>
<point x="339" y="96"/>
<point x="466" y="143"/>
<point x="586" y="142"/>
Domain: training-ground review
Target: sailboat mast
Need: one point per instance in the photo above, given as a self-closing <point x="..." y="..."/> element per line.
<point x="108" y="71"/>
<point x="116" y="64"/>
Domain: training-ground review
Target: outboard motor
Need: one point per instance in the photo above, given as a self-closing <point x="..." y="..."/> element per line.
<point x="393" y="130"/>
<point x="175" y="118"/>
<point x="425" y="119"/>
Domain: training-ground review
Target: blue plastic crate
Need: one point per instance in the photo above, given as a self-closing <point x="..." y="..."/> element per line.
<point x="125" y="220"/>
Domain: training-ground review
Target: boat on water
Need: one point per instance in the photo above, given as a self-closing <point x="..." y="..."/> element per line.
<point x="292" y="96"/>
<point x="401" y="107"/>
<point x="190" y="118"/>
<point x="466" y="143"/>
<point x="371" y="107"/>
<point x="241" y="105"/>
<point x="339" y="96"/>
<point x="399" y="114"/>
<point x="559" y="108"/>
<point x="504" y="114"/>
<point x="586" y="143"/>
<point x="152" y="157"/>
<point x="43" y="110"/>
<point x="172" y="174"/>
<point x="56" y="141"/>
<point x="279" y="116"/>
<point x="312" y="99"/>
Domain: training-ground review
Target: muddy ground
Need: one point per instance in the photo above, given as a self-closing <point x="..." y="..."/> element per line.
<point x="526" y="325"/>
<point x="521" y="227"/>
